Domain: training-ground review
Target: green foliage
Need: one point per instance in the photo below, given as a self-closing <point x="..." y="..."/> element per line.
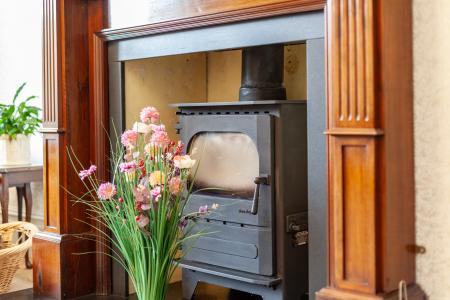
<point x="19" y="118"/>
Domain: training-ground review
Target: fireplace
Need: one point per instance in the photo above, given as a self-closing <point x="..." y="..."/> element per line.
<point x="252" y="162"/>
<point x="221" y="65"/>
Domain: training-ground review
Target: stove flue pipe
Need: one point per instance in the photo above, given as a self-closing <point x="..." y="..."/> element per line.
<point x="262" y="73"/>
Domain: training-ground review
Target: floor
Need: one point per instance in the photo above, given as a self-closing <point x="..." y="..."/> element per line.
<point x="203" y="292"/>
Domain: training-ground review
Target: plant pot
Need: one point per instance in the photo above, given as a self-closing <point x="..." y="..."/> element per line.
<point x="15" y="152"/>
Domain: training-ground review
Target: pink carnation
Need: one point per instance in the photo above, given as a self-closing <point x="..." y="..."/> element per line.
<point x="156" y="193"/>
<point x="160" y="138"/>
<point x="142" y="220"/>
<point x="129" y="138"/>
<point x="149" y="113"/>
<point x="160" y="127"/>
<point x="86" y="173"/>
<point x="106" y="191"/>
<point x="142" y="197"/>
<point x="128" y="166"/>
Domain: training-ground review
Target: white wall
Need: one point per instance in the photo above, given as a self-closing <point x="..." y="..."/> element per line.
<point x="20" y="61"/>
<point x="432" y="144"/>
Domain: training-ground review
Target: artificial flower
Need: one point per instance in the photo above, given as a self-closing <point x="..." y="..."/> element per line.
<point x="86" y="173"/>
<point x="156" y="178"/>
<point x="160" y="139"/>
<point x="129" y="138"/>
<point x="183" y="162"/>
<point x="149" y="113"/>
<point x="203" y="209"/>
<point x="106" y="191"/>
<point x="128" y="166"/>
<point x="175" y="185"/>
<point x="160" y="127"/>
<point x="142" y="220"/>
<point x="179" y="149"/>
<point x="156" y="193"/>
<point x="215" y="206"/>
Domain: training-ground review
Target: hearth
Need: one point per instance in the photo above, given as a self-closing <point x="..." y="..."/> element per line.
<point x="253" y="163"/>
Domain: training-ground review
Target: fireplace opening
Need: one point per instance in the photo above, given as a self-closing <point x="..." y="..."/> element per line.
<point x="242" y="114"/>
<point x="199" y="77"/>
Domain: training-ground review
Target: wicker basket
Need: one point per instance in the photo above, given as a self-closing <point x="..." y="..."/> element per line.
<point x="12" y="249"/>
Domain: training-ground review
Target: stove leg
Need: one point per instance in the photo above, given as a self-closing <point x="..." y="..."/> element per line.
<point x="191" y="278"/>
<point x="189" y="283"/>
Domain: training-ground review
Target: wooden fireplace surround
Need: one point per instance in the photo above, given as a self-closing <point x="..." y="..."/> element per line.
<point x="369" y="136"/>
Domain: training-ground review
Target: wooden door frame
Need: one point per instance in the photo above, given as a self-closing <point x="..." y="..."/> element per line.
<point x="369" y="134"/>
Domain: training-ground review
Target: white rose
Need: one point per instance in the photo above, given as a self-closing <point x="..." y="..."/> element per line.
<point x="183" y="162"/>
<point x="141" y="127"/>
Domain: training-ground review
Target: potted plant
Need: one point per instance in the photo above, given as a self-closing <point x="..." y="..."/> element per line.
<point x="18" y="121"/>
<point x="143" y="204"/>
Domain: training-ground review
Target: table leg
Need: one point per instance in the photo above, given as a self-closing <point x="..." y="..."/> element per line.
<point x="28" y="206"/>
<point x="20" y="194"/>
<point x="28" y="202"/>
<point x="4" y="194"/>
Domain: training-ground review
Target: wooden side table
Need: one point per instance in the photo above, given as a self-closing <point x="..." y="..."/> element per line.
<point x="20" y="178"/>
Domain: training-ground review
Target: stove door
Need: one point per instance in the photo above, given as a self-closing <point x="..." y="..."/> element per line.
<point x="235" y="167"/>
<point x="234" y="156"/>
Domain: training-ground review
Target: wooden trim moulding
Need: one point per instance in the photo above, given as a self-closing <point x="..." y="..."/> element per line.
<point x="206" y="19"/>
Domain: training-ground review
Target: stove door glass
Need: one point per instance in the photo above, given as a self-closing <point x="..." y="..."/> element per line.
<point x="227" y="162"/>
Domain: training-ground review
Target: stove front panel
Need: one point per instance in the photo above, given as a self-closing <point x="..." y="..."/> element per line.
<point x="232" y="151"/>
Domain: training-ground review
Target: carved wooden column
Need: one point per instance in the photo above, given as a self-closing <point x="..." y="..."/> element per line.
<point x="60" y="269"/>
<point x="370" y="136"/>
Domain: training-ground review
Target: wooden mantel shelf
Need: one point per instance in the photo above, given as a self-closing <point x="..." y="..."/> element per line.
<point x="369" y="134"/>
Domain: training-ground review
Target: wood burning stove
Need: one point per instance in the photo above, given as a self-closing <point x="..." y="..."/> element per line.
<point x="253" y="163"/>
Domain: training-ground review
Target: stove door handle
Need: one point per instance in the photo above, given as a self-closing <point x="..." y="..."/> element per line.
<point x="262" y="179"/>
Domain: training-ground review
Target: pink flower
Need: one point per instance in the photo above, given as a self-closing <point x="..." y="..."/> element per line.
<point x="160" y="127"/>
<point x="128" y="166"/>
<point x="129" y="138"/>
<point x="142" y="197"/>
<point x="86" y="173"/>
<point x="106" y="191"/>
<point x="156" y="193"/>
<point x="160" y="138"/>
<point x="142" y="220"/>
<point x="203" y="209"/>
<point x="149" y="113"/>
<point x="175" y="185"/>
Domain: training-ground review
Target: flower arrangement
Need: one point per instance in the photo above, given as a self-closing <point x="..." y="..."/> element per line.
<point x="143" y="204"/>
